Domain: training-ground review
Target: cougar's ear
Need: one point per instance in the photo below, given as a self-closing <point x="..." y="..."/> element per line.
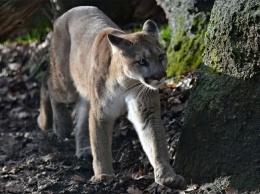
<point x="151" y="28"/>
<point x="117" y="43"/>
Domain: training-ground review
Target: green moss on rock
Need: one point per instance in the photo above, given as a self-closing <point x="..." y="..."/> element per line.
<point x="185" y="52"/>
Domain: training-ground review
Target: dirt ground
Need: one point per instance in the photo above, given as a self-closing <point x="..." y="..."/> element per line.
<point x="33" y="162"/>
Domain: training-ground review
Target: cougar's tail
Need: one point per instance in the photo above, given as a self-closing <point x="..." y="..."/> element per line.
<point x="45" y="119"/>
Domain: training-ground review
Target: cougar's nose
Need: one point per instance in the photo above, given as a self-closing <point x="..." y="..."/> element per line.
<point x="159" y="76"/>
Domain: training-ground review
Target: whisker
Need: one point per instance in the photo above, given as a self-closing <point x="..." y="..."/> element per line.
<point x="136" y="88"/>
<point x="142" y="89"/>
<point x="131" y="88"/>
<point x="146" y="91"/>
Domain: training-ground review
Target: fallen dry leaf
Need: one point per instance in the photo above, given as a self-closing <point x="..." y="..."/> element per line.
<point x="76" y="179"/>
<point x="15" y="170"/>
<point x="49" y="157"/>
<point x="133" y="190"/>
<point x="231" y="190"/>
<point x="14" y="187"/>
<point x="140" y="172"/>
<point x="147" y="176"/>
<point x="193" y="187"/>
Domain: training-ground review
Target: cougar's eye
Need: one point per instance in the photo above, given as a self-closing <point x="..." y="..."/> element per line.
<point x="161" y="57"/>
<point x="142" y="62"/>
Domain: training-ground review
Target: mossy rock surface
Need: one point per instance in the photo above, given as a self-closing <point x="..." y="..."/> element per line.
<point x="222" y="122"/>
<point x="188" y="21"/>
<point x="186" y="52"/>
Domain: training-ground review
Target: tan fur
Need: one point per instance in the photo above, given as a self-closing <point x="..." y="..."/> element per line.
<point x="108" y="73"/>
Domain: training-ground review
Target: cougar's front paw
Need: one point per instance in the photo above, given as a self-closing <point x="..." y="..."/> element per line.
<point x="84" y="152"/>
<point x="103" y="178"/>
<point x="171" y="180"/>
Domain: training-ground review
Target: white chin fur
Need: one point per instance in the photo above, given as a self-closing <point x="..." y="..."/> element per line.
<point x="154" y="84"/>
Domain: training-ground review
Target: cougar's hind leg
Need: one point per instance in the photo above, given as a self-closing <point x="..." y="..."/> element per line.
<point x="62" y="90"/>
<point x="82" y="129"/>
<point x="45" y="120"/>
<point x="62" y="121"/>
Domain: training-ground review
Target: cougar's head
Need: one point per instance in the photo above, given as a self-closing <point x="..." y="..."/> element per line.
<point x="140" y="56"/>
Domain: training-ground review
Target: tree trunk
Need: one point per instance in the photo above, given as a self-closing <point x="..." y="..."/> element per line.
<point x="188" y="20"/>
<point x="221" y="132"/>
<point x="13" y="13"/>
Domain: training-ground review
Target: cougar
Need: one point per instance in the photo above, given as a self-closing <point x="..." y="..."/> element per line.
<point x="107" y="72"/>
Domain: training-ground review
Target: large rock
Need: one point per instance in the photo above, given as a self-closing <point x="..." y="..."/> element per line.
<point x="221" y="133"/>
<point x="188" y="20"/>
